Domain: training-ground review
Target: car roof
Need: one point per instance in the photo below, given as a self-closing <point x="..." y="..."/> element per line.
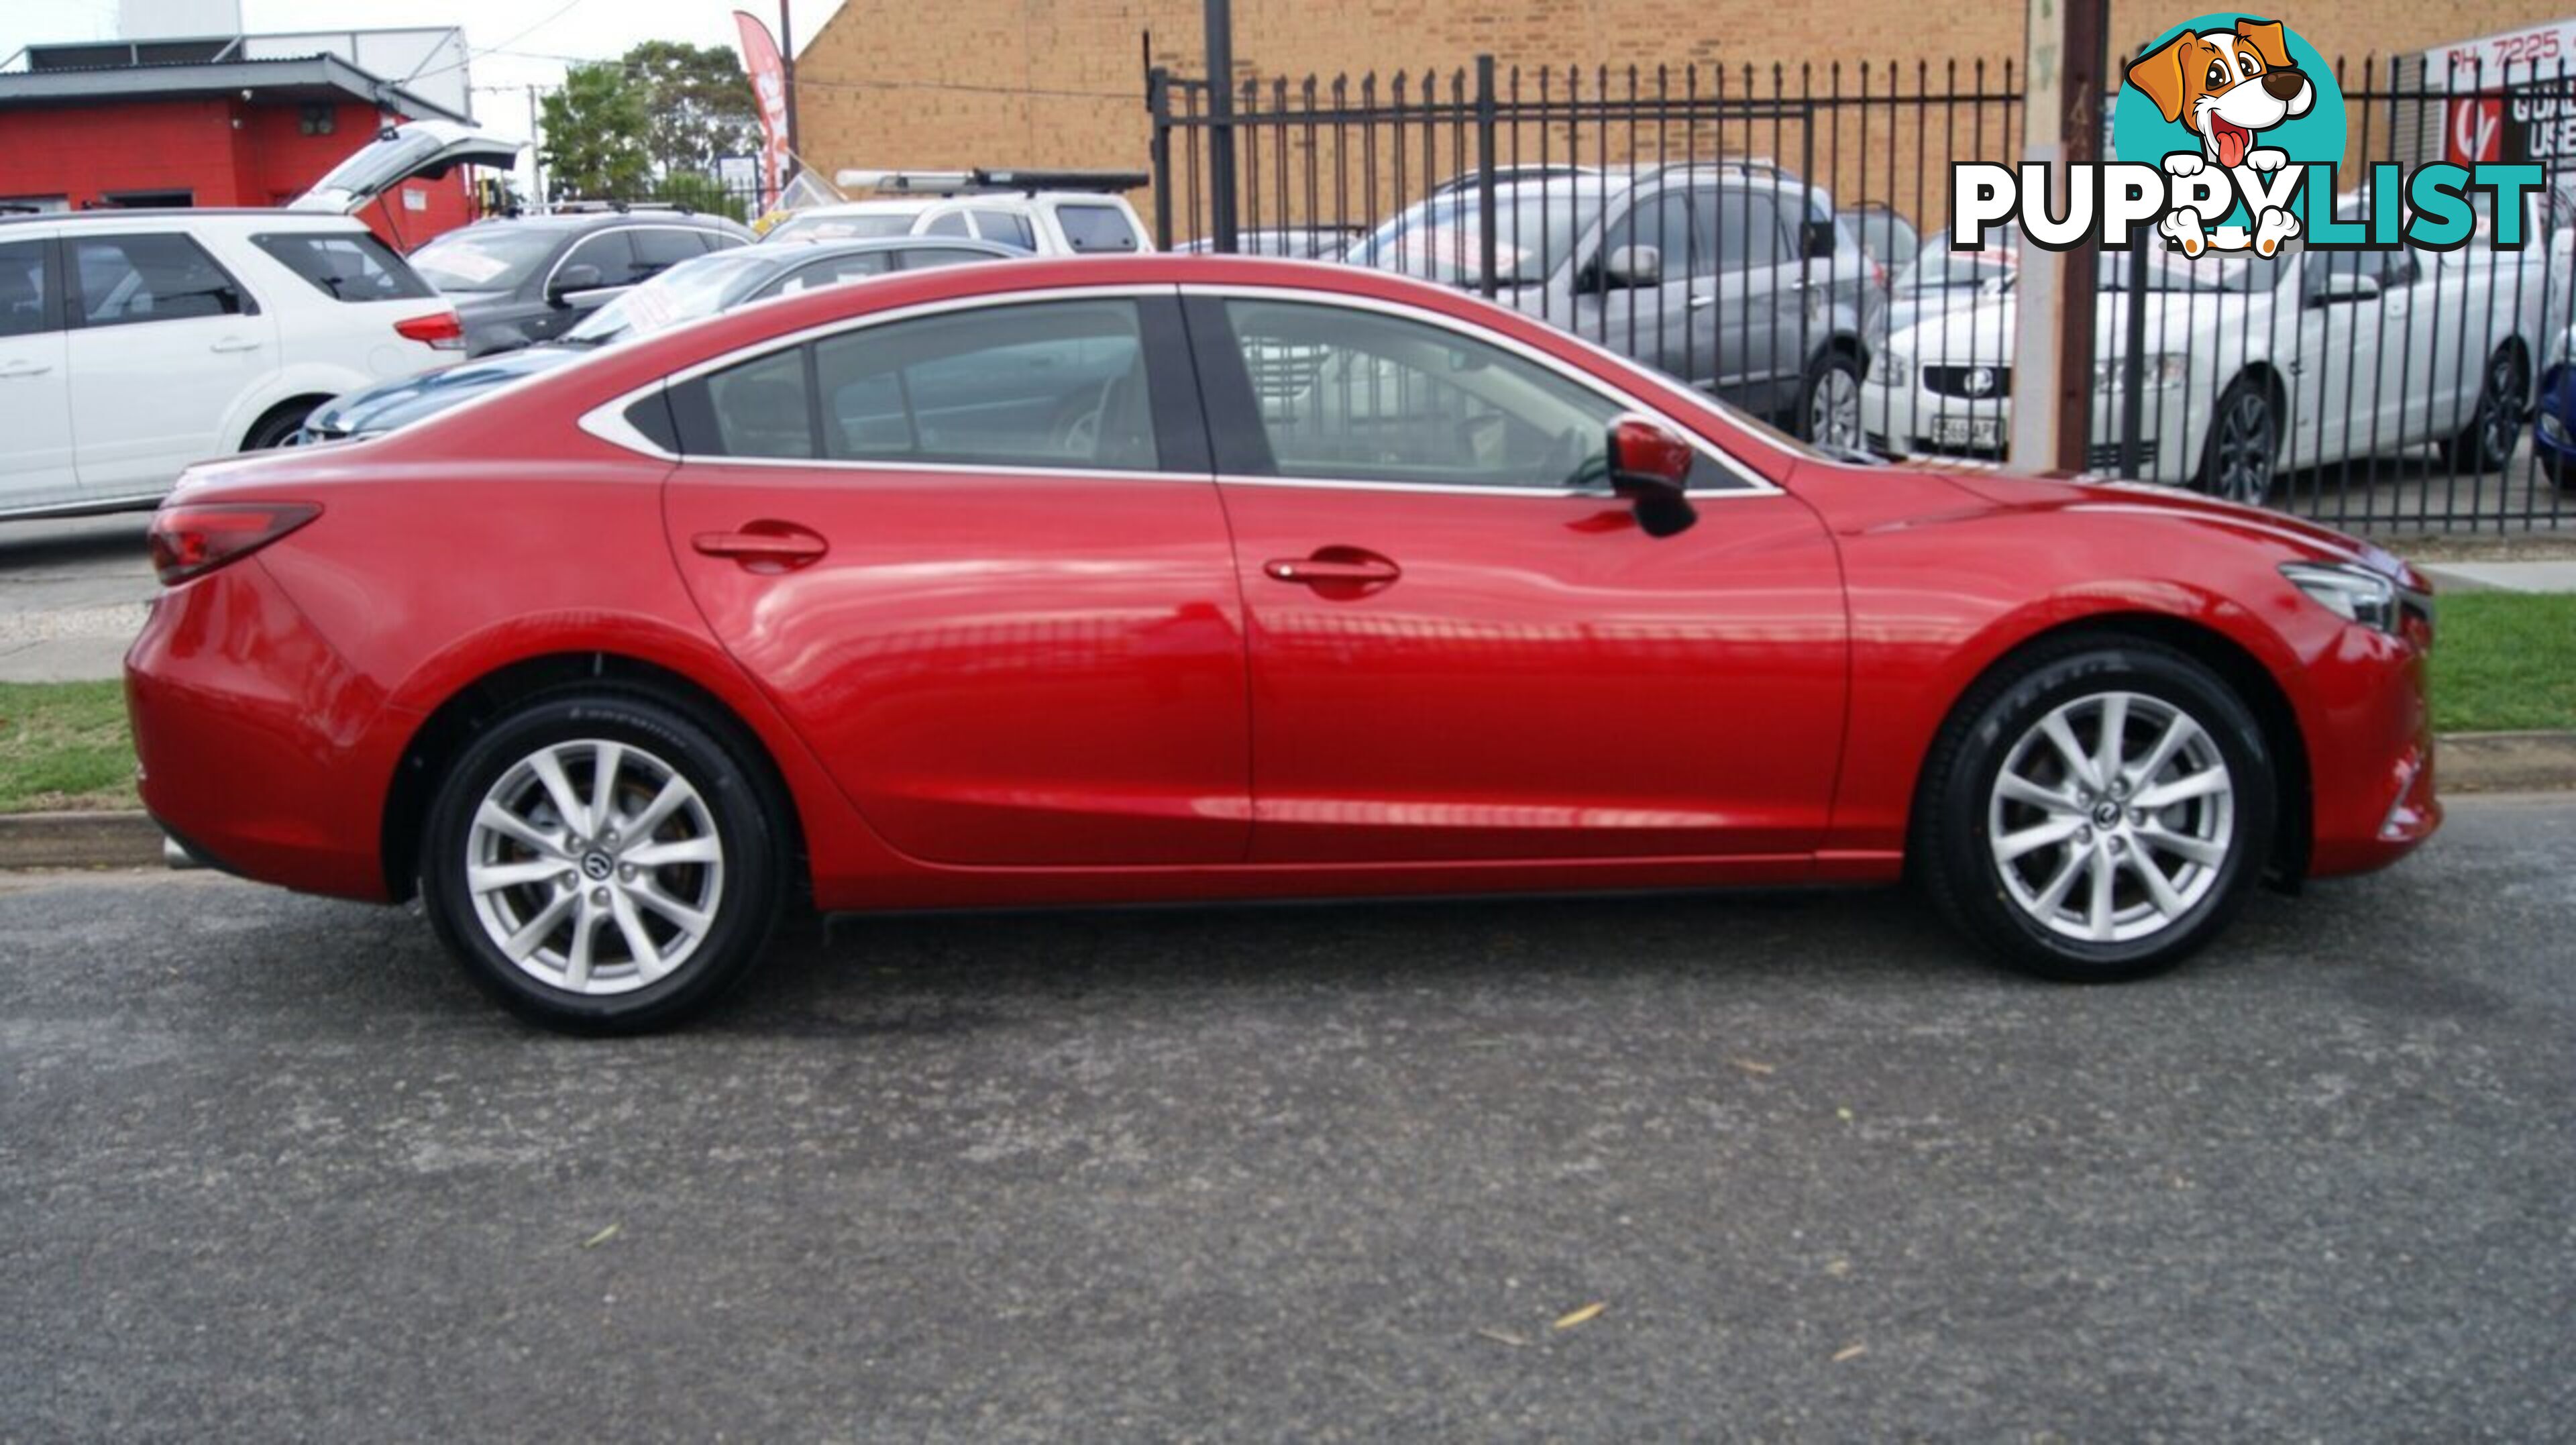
<point x="128" y="215"/>
<point x="601" y="221"/>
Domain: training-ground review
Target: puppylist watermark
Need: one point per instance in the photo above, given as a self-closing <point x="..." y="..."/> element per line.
<point x="2247" y="124"/>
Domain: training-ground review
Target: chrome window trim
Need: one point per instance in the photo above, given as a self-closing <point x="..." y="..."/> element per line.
<point x="578" y="241"/>
<point x="607" y="421"/>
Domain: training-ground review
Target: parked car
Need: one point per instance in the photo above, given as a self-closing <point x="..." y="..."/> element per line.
<point x="1888" y="237"/>
<point x="2553" y="433"/>
<point x="1296" y="243"/>
<point x="1734" y="275"/>
<point x="1938" y="279"/>
<point x="1053" y="213"/>
<point x="525" y="279"/>
<point x="996" y="585"/>
<point x="2256" y="365"/>
<point x="690" y="291"/>
<point x="133" y="342"/>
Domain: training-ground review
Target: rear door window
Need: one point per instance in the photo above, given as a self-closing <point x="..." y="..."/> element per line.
<point x="345" y="266"/>
<point x="1097" y="228"/>
<point x="30" y="297"/>
<point x="162" y="276"/>
<point x="1008" y="227"/>
<point x="831" y="272"/>
<point x="946" y="223"/>
<point x="611" y="254"/>
<point x="658" y="251"/>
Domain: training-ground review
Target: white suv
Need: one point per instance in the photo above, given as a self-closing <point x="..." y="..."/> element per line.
<point x="1049" y="213"/>
<point x="133" y="343"/>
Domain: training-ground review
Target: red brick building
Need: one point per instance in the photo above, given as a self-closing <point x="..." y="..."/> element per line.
<point x="191" y="123"/>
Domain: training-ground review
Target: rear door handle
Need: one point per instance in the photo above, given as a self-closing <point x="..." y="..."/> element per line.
<point x="1701" y="300"/>
<point x="1334" y="567"/>
<point x="777" y="546"/>
<point x="236" y="343"/>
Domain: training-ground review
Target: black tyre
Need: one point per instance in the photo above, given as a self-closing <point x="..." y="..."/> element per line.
<point x="2074" y="871"/>
<point x="2242" y="453"/>
<point x="1829" y="401"/>
<point x="2488" y="438"/>
<point x="278" y="427"/>
<point x="604" y="861"/>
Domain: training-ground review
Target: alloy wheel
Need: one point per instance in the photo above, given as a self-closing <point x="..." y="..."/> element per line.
<point x="2500" y="422"/>
<point x="2111" y="817"/>
<point x="2247" y="446"/>
<point x="1833" y="413"/>
<point x="594" y="866"/>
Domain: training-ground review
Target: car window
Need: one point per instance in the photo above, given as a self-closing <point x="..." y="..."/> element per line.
<point x="1058" y="383"/>
<point x="1043" y="384"/>
<point x="1748" y="231"/>
<point x="831" y="271"/>
<point x="1666" y="223"/>
<point x="611" y="253"/>
<point x="658" y="251"/>
<point x="348" y="266"/>
<point x="28" y="299"/>
<point x="1008" y="227"/>
<point x="501" y="258"/>
<point x="128" y="280"/>
<point x="843" y="228"/>
<point x="1364" y="396"/>
<point x="946" y="223"/>
<point x="922" y="258"/>
<point x="1097" y="228"/>
<point x="719" y="240"/>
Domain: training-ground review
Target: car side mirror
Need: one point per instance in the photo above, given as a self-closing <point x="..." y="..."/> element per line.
<point x="2341" y="286"/>
<point x="573" y="278"/>
<point x="1632" y="266"/>
<point x="1817" y="237"/>
<point x="1650" y="465"/>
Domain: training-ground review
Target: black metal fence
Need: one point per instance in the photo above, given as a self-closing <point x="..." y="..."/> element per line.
<point x="1776" y="235"/>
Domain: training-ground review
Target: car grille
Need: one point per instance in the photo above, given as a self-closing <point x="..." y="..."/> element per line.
<point x="1971" y="382"/>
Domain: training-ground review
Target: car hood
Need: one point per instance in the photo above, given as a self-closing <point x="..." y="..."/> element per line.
<point x="391" y="404"/>
<point x="2116" y="498"/>
<point x="1983" y="332"/>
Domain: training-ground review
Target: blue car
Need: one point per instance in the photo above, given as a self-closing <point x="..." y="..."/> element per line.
<point x="687" y="292"/>
<point x="2553" y="434"/>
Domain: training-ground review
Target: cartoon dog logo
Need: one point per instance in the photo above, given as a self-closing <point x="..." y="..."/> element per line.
<point x="2227" y="87"/>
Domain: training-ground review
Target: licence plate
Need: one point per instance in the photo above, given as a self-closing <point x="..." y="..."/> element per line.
<point x="1966" y="431"/>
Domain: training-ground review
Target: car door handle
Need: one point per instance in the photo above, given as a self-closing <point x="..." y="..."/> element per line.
<point x="773" y="545"/>
<point x="1701" y="301"/>
<point x="24" y="368"/>
<point x="1334" y="567"/>
<point x="236" y="343"/>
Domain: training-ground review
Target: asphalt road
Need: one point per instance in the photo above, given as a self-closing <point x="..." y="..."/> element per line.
<point x="270" y="1170"/>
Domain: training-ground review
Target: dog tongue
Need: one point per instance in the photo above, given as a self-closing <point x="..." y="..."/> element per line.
<point x="2233" y="142"/>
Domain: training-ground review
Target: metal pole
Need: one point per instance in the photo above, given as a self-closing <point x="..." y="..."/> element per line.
<point x="1158" y="100"/>
<point x="1220" y="72"/>
<point x="1485" y="199"/>
<point x="2133" y="380"/>
<point x="2052" y="366"/>
<point x="536" y="159"/>
<point x="787" y="67"/>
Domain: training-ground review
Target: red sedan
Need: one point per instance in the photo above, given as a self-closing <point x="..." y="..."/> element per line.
<point x="1194" y="578"/>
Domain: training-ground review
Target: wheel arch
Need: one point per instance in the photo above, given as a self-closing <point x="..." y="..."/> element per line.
<point x="452" y="725"/>
<point x="300" y="404"/>
<point x="2242" y="671"/>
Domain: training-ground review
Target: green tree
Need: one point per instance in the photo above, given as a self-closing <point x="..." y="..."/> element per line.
<point x="699" y="100"/>
<point x="702" y="193"/>
<point x="598" y="135"/>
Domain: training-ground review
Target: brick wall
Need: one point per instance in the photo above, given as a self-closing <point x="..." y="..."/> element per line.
<point x="1060" y="82"/>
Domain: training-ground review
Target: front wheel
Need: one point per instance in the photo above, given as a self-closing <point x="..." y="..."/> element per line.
<point x="2244" y="445"/>
<point x="2098" y="813"/>
<point x="2487" y="439"/>
<point x="602" y="862"/>
<point x="1829" y="402"/>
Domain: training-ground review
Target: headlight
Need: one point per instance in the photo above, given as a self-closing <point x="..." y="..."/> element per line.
<point x="2358" y="594"/>
<point x="1892" y="368"/>
<point x="2163" y="368"/>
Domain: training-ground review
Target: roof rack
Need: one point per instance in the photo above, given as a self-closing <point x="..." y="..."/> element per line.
<point x="597" y="208"/>
<point x="987" y="181"/>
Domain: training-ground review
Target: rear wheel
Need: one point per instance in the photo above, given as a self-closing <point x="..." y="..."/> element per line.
<point x="2097" y="814"/>
<point x="602" y="862"/>
<point x="2244" y="446"/>
<point x="279" y="426"/>
<point x="2487" y="439"/>
<point x="1829" y="402"/>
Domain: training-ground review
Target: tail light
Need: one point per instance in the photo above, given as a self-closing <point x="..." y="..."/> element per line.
<point x="440" y="329"/>
<point x="193" y="540"/>
<point x="1878" y="273"/>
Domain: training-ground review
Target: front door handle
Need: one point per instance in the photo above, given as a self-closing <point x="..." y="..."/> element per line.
<point x="1335" y="567"/>
<point x="764" y="546"/>
<point x="24" y="368"/>
<point x="236" y="343"/>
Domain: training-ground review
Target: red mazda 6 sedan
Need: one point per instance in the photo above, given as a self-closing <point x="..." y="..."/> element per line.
<point x="1201" y="578"/>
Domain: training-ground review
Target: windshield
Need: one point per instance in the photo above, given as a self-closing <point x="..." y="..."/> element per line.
<point x="1937" y="267"/>
<point x="478" y="260"/>
<point x="2211" y="273"/>
<point x="687" y="292"/>
<point x="1440" y="239"/>
<point x="843" y="228"/>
